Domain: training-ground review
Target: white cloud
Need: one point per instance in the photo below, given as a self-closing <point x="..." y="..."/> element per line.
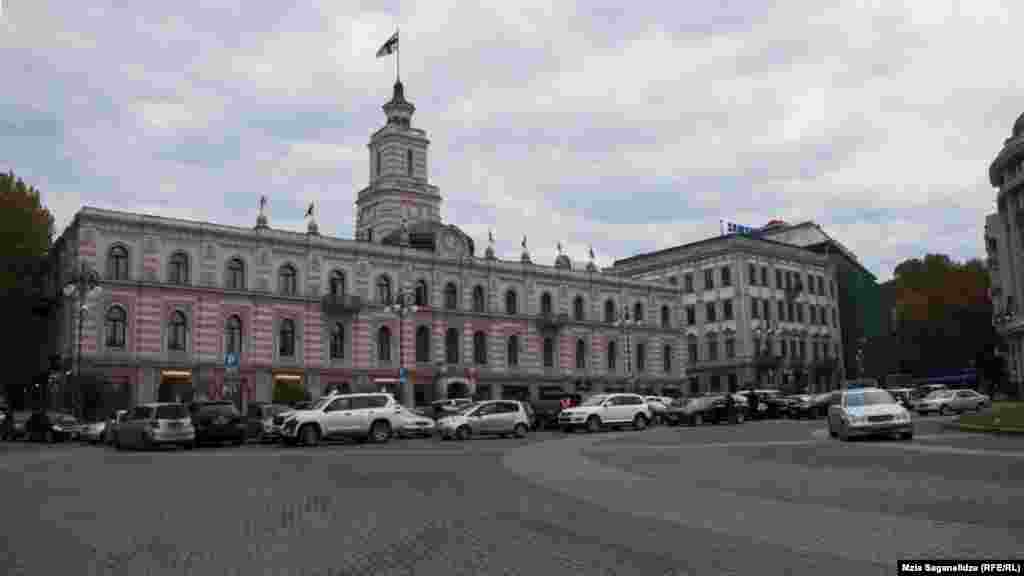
<point x="630" y="128"/>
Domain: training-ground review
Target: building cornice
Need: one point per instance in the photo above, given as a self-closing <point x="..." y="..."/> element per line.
<point x="717" y="247"/>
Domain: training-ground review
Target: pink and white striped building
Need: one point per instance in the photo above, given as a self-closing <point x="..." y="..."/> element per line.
<point x="311" y="310"/>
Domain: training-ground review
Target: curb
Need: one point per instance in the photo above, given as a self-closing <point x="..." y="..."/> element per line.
<point x="989" y="429"/>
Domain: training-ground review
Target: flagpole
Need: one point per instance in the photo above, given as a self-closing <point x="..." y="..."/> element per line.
<point x="398" y="57"/>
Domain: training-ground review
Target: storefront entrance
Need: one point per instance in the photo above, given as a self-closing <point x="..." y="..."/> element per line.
<point x="175" y="386"/>
<point x="514" y="392"/>
<point x="288" y="389"/>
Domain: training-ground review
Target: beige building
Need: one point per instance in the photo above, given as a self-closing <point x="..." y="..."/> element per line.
<point x="1004" y="240"/>
<point x="754" y="311"/>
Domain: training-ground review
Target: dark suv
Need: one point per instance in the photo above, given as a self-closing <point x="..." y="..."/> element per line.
<point x="217" y="422"/>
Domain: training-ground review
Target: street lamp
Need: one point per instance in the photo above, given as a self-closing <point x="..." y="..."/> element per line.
<point x="402" y="306"/>
<point x="624" y="322"/>
<point x="83" y="284"/>
<point x="763" y="333"/>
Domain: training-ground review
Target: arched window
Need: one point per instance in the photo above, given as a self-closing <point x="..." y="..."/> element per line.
<point x="338" y="341"/>
<point x="236" y="274"/>
<point x="116" y="324"/>
<point x="480" y="348"/>
<point x="609" y="311"/>
<point x="286" y="335"/>
<point x="577" y="309"/>
<point x="638" y="313"/>
<point x="612" y="355"/>
<point x="549" y="352"/>
<point x="287" y="281"/>
<point x="337" y="283"/>
<point x="511" y="302"/>
<point x="641" y="357"/>
<point x="692" y="349"/>
<point x="581" y="354"/>
<point x="423" y="344"/>
<point x="451" y="296"/>
<point x="666" y="317"/>
<point x="384" y="290"/>
<point x="178" y="331"/>
<point x="233" y="335"/>
<point x="178" y="272"/>
<point x="666" y="359"/>
<point x="479" y="301"/>
<point x="545" y="304"/>
<point x="451" y="346"/>
<point x="420" y="295"/>
<point x="117" y="263"/>
<point x="384" y="344"/>
<point x="513" y="350"/>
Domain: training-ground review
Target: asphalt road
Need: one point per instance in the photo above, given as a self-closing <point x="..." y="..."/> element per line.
<point x="760" y="498"/>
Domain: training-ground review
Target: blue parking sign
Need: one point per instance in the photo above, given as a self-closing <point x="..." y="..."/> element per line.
<point x="230" y="360"/>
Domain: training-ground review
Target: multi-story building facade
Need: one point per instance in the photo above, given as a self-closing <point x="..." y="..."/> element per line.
<point x="1004" y="242"/>
<point x="754" y="311"/>
<point x="313" y="311"/>
<point x="861" y="316"/>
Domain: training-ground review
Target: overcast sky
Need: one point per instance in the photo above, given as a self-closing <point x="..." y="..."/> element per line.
<point x="632" y="126"/>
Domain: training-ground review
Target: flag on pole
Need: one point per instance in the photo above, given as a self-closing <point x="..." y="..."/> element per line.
<point x="389" y="47"/>
<point x="309" y="211"/>
<point x="524" y="241"/>
<point x="559" y="247"/>
<point x="263" y="202"/>
<point x="591" y="252"/>
<point x="490" y="236"/>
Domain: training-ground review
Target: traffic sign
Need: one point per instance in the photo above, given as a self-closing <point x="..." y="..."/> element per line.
<point x="231" y="360"/>
<point x="402" y="373"/>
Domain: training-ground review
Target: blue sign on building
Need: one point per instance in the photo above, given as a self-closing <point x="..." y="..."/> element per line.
<point x="231" y="360"/>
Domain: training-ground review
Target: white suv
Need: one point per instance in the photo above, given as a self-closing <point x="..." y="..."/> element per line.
<point x="360" y="416"/>
<point x="607" y="410"/>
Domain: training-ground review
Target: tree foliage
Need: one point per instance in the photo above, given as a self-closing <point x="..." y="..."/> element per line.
<point x="942" y="315"/>
<point x="26" y="232"/>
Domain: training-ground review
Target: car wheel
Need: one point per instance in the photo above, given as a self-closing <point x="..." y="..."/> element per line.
<point x="189" y="445"/>
<point x="593" y="424"/>
<point x="520" y="431"/>
<point x="739" y="417"/>
<point x="844" y="434"/>
<point x="907" y="436"/>
<point x="310" y="435"/>
<point x="462" y="433"/>
<point x="639" y="422"/>
<point x="49" y="438"/>
<point x="117" y="443"/>
<point x="831" y="431"/>
<point x="380" y="432"/>
<point x="698" y="420"/>
<point x="945" y="410"/>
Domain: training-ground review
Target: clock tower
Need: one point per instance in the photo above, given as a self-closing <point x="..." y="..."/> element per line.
<point x="398" y="176"/>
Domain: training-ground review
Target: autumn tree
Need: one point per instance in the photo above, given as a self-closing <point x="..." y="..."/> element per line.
<point x="26" y="232"/>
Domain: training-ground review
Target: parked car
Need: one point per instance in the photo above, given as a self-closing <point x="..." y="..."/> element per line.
<point x="414" y="422"/>
<point x="549" y="405"/>
<point x="490" y="417"/>
<point x="793" y="406"/>
<point x="905" y="396"/>
<point x="93" y="432"/>
<point x="658" y="405"/>
<point x="949" y="401"/>
<point x="607" y="411"/>
<point x="357" y="416"/>
<point x="44" y="426"/>
<point x="810" y="406"/>
<point x="110" y="430"/>
<point x="866" y="412"/>
<point x="19" y="425"/>
<point x="217" y="421"/>
<point x="260" y="421"/>
<point x="154" y="425"/>
<point x="920" y="392"/>
<point x="705" y="409"/>
<point x="769" y="404"/>
<point x="442" y="408"/>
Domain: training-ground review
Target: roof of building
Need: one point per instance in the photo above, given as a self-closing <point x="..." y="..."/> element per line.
<point x="705" y="241"/>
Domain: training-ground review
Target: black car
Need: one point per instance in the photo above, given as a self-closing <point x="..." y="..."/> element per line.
<point x="217" y="422"/>
<point x="51" y="427"/>
<point x="811" y="407"/>
<point x="713" y="409"/>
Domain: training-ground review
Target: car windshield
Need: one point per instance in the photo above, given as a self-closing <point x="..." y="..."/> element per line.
<point x="171" y="412"/>
<point x="594" y="401"/>
<point x="940" y="394"/>
<point x="318" y="405"/>
<point x="869" y="398"/>
<point x="466" y="408"/>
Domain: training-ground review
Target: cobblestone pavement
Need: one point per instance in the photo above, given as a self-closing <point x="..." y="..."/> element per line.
<point x="430" y="507"/>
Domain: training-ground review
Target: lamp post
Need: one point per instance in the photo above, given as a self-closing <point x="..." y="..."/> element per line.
<point x="625" y="322"/>
<point x="83" y="284"/>
<point x="763" y="333"/>
<point x="402" y="306"/>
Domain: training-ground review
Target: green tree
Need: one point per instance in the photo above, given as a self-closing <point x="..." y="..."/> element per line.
<point x="26" y="232"/>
